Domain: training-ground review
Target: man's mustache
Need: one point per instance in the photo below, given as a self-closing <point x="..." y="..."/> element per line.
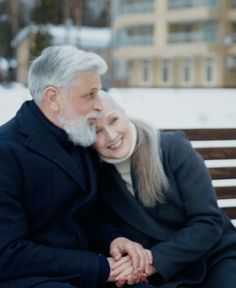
<point x="92" y="117"/>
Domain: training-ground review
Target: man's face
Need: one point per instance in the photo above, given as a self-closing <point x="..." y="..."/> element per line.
<point x="79" y="107"/>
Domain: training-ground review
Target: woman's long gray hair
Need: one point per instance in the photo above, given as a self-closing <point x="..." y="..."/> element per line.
<point x="151" y="177"/>
<point x="152" y="180"/>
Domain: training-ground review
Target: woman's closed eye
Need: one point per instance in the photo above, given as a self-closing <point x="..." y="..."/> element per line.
<point x="113" y="120"/>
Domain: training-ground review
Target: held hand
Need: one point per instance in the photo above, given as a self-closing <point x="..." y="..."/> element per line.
<point x="141" y="258"/>
<point x="134" y="277"/>
<point x="122" y="267"/>
<point x="151" y="270"/>
<point x="124" y="271"/>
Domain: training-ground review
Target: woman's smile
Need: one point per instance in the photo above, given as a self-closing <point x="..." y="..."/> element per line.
<point x="116" y="145"/>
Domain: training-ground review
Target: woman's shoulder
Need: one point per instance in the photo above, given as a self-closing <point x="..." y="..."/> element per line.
<point x="177" y="137"/>
<point x="175" y="143"/>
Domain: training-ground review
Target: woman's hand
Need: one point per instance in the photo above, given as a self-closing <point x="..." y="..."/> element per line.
<point x="123" y="270"/>
<point x="141" y="258"/>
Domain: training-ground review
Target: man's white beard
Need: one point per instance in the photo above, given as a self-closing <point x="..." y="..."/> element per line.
<point x="79" y="131"/>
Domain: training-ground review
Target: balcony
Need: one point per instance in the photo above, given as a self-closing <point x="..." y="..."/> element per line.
<point x="140" y="6"/>
<point x="190" y="37"/>
<point x="137" y="40"/>
<point x="180" y="4"/>
<point x="135" y="35"/>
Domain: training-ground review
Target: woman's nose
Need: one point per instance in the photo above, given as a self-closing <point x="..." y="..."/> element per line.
<point x="111" y="134"/>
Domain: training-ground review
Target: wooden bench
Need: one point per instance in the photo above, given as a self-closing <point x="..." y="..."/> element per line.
<point x="218" y="148"/>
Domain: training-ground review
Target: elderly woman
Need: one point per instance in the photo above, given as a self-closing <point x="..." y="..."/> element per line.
<point x="156" y="188"/>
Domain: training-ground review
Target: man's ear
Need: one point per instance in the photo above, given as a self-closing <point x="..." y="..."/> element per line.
<point x="51" y="97"/>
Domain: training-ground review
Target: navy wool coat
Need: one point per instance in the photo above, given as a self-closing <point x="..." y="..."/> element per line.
<point x="188" y="233"/>
<point x="44" y="208"/>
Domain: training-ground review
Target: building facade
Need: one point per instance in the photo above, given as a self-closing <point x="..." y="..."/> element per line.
<point x="174" y="43"/>
<point x="92" y="39"/>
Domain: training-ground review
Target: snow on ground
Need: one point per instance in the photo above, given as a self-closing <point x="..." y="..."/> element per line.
<point x="164" y="108"/>
<point x="180" y="108"/>
<point x="11" y="98"/>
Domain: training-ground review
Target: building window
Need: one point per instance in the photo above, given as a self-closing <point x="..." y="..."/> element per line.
<point x="233" y="3"/>
<point x="135" y="6"/>
<point x="129" y="72"/>
<point x="136" y="35"/>
<point x="193" y="32"/>
<point x="175" y="4"/>
<point x="187" y="71"/>
<point x="166" y="71"/>
<point x="120" y="69"/>
<point x="209" y="70"/>
<point x="145" y="71"/>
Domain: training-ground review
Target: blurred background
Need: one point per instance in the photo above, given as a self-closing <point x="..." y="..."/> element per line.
<point x="171" y="62"/>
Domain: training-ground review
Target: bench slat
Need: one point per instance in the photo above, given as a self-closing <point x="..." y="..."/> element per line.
<point x="223" y="173"/>
<point x="230" y="212"/>
<point x="226" y="192"/>
<point x="217" y="153"/>
<point x="210" y="134"/>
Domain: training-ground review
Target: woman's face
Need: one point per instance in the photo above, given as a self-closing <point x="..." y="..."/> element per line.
<point x="113" y="133"/>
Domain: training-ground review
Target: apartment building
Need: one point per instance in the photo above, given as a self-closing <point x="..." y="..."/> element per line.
<point x="174" y="43"/>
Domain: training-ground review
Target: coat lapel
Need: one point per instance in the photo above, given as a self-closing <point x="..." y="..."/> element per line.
<point x="91" y="172"/>
<point x="40" y="141"/>
<point x="130" y="210"/>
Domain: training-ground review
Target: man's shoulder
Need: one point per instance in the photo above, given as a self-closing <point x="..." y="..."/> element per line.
<point x="12" y="127"/>
<point x="8" y="128"/>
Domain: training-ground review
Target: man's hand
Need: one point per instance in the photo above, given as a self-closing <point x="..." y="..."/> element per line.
<point x="140" y="257"/>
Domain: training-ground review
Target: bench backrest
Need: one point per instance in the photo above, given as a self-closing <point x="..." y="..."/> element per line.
<point x="218" y="148"/>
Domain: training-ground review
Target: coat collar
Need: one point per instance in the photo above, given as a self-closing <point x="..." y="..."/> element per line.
<point x="39" y="140"/>
<point x="131" y="211"/>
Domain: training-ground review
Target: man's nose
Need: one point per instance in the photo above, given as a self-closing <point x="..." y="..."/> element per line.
<point x="97" y="106"/>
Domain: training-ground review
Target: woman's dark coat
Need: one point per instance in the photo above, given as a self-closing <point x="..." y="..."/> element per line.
<point x="188" y="233"/>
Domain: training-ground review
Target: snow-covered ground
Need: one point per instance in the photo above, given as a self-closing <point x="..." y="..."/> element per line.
<point x="164" y="108"/>
<point x="11" y="98"/>
<point x="180" y="108"/>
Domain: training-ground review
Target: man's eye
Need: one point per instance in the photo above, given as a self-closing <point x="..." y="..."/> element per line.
<point x="92" y="94"/>
<point x="98" y="131"/>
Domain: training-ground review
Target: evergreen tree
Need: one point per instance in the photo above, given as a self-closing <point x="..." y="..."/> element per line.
<point x="42" y="39"/>
<point x="43" y="13"/>
<point x="47" y="11"/>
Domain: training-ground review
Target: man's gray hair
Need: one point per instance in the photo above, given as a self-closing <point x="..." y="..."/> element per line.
<point x="58" y="66"/>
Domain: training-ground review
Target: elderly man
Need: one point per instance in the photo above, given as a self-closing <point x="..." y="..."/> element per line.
<point x="48" y="180"/>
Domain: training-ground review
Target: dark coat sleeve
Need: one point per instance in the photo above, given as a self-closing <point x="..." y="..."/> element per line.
<point x="204" y="220"/>
<point x="19" y="256"/>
